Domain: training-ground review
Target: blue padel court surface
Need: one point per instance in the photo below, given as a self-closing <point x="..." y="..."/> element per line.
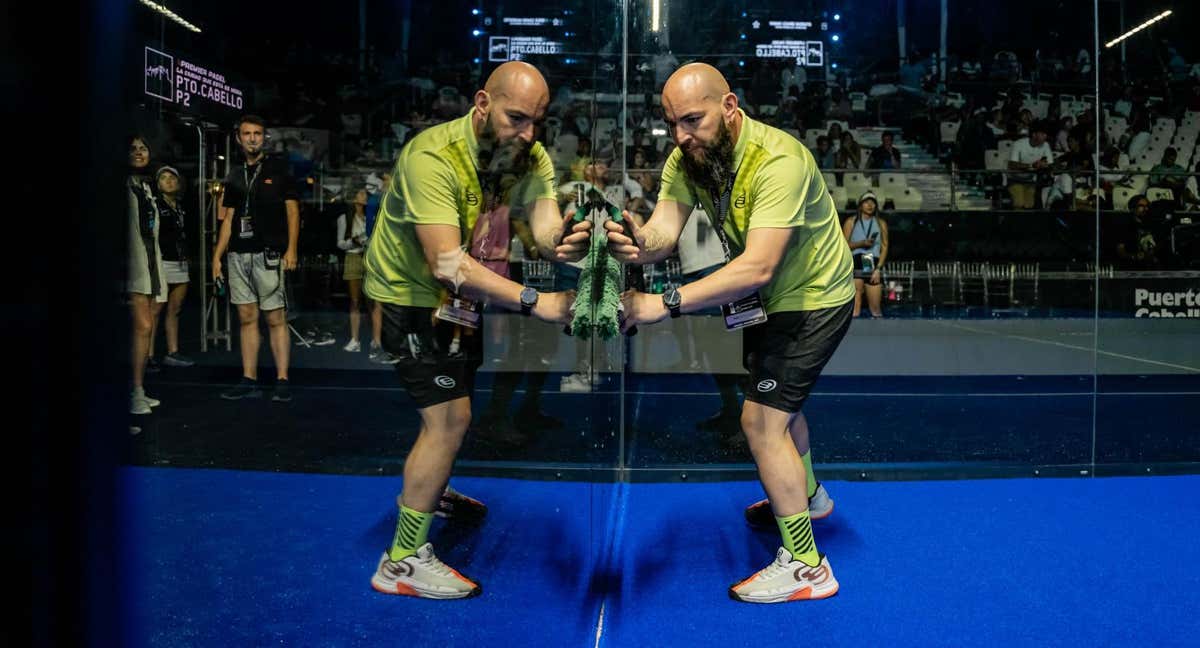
<point x="229" y="558"/>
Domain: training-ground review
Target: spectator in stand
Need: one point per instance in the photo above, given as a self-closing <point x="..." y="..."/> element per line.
<point x="996" y="124"/>
<point x="1137" y="248"/>
<point x="583" y="157"/>
<point x="641" y="159"/>
<point x="1024" y="122"/>
<point x="849" y="156"/>
<point x="145" y="283"/>
<point x="1191" y="192"/>
<point x="839" y="106"/>
<point x="886" y="155"/>
<point x="824" y="154"/>
<point x="352" y="239"/>
<point x="625" y="193"/>
<point x="614" y="148"/>
<point x="1072" y="164"/>
<point x="1137" y="138"/>
<point x="1112" y="175"/>
<point x="974" y="139"/>
<point x="1064" y="131"/>
<point x="835" y="135"/>
<point x="1029" y="156"/>
<point x="1169" y="175"/>
<point x="172" y="241"/>
<point x="792" y="79"/>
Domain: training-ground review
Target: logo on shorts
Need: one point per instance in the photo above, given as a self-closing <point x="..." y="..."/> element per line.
<point x="767" y="385"/>
<point x="472" y="199"/>
<point x="740" y="201"/>
<point x="445" y="382"/>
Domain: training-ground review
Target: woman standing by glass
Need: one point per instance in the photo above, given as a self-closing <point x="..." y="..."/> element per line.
<point x="352" y="239"/>
<point x="867" y="235"/>
<point x="172" y="242"/>
<point x="145" y="281"/>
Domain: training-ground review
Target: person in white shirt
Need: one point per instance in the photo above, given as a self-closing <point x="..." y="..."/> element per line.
<point x="352" y="239"/>
<point x="1191" y="193"/>
<point x="1029" y="155"/>
<point x="1139" y="140"/>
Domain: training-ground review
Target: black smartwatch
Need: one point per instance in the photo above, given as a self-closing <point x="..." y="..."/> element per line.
<point x="671" y="301"/>
<point x="529" y="298"/>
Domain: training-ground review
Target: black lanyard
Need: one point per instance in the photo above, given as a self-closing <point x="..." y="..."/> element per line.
<point x="722" y="206"/>
<point x="868" y="234"/>
<point x="249" y="184"/>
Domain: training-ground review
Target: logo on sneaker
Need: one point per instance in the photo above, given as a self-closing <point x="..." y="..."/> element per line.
<point x="815" y="575"/>
<point x="767" y="385"/>
<point x="397" y="568"/>
<point x="445" y="382"/>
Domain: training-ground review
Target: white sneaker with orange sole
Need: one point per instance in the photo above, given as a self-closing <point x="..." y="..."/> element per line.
<point x="422" y="575"/>
<point x="787" y="580"/>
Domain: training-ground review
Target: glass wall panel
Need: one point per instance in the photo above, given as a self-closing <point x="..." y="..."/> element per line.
<point x="976" y="335"/>
<point x="1148" y="359"/>
<point x="543" y="441"/>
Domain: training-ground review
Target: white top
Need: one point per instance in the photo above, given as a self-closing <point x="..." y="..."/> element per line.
<point x="699" y="247"/>
<point x="1111" y="175"/>
<point x="359" y="229"/>
<point x="1025" y="153"/>
<point x="1138" y="144"/>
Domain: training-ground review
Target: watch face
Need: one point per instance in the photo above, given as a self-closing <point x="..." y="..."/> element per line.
<point x="528" y="296"/>
<point x="671" y="298"/>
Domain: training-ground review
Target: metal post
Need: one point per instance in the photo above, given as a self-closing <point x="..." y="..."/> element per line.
<point x="1097" y="63"/>
<point x="202" y="191"/>
<point x="942" y="54"/>
<point x="228" y="323"/>
<point x="362" y="41"/>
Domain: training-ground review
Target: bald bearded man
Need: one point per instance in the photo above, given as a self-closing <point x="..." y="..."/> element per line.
<point x="787" y="281"/>
<point x="452" y="186"/>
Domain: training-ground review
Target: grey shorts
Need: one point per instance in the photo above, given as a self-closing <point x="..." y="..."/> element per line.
<point x="252" y="282"/>
<point x="176" y="271"/>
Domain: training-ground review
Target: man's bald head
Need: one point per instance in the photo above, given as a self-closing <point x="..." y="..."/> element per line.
<point x="703" y="119"/>
<point x="518" y="79"/>
<point x="512" y="103"/>
<point x="695" y="82"/>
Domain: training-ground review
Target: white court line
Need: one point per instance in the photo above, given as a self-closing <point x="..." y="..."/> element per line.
<point x="600" y="624"/>
<point x="1070" y="346"/>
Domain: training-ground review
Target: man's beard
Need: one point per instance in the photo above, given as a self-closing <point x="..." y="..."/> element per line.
<point x="497" y="159"/>
<point x="714" y="169"/>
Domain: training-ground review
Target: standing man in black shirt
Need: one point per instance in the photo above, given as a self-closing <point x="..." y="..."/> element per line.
<point x="260" y="225"/>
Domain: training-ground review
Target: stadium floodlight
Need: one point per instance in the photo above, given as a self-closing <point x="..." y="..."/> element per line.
<point x="167" y="13"/>
<point x="1137" y="29"/>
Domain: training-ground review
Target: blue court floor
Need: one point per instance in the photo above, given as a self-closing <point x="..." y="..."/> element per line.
<point x="228" y="558"/>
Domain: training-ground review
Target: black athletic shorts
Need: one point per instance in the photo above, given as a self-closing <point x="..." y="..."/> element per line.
<point x="431" y="369"/>
<point x="785" y="354"/>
